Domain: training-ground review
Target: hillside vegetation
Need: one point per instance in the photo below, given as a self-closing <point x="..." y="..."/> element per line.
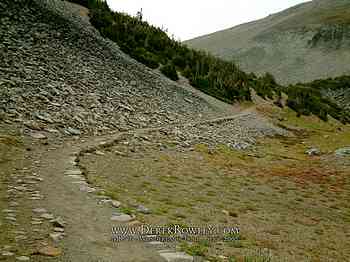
<point x="295" y="45"/>
<point x="222" y="79"/>
<point x="309" y="99"/>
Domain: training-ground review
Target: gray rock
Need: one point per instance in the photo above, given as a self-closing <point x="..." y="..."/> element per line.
<point x="77" y="177"/>
<point x="56" y="237"/>
<point x="73" y="160"/>
<point x="22" y="258"/>
<point x="73" y="131"/>
<point x="11" y="218"/>
<point x="38" y="135"/>
<point x="8" y="210"/>
<point x="45" y="118"/>
<point x="36" y="223"/>
<point x="47" y="216"/>
<point x="313" y="152"/>
<point x="115" y="203"/>
<point x="58" y="222"/>
<point x="34" y="198"/>
<point x="59" y="229"/>
<point x="241" y="145"/>
<point x="73" y="172"/>
<point x="121" y="218"/>
<point x="99" y="153"/>
<point x="87" y="189"/>
<point x="39" y="210"/>
<point x="7" y="254"/>
<point x="19" y="238"/>
<point x="176" y="256"/>
<point x="118" y="153"/>
<point x="144" y="210"/>
<point x="81" y="183"/>
<point x="155" y="244"/>
<point x="343" y="151"/>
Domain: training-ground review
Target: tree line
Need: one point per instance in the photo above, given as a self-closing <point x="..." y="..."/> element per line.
<point x="222" y="79"/>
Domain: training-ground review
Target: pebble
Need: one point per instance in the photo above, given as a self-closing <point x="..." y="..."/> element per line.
<point x="73" y="131"/>
<point x="72" y="160"/>
<point x="22" y="258"/>
<point x="39" y="210"/>
<point x="50" y="251"/>
<point x="36" y="223"/>
<point x="156" y="244"/>
<point x="7" y="254"/>
<point x="121" y="218"/>
<point x="34" y="198"/>
<point x="11" y="218"/>
<point x="99" y="153"/>
<point x="87" y="189"/>
<point x="58" y="229"/>
<point x="58" y="222"/>
<point x="176" y="256"/>
<point x="73" y="172"/>
<point x="76" y="177"/>
<point x="8" y="210"/>
<point x="20" y="188"/>
<point x="56" y="236"/>
<point x="82" y="183"/>
<point x="17" y="238"/>
<point x="144" y="210"/>
<point x="115" y="203"/>
<point x="47" y="216"/>
<point x="343" y="151"/>
<point x="38" y="135"/>
<point x="313" y="152"/>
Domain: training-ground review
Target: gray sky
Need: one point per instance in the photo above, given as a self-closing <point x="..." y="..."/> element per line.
<point x="187" y="19"/>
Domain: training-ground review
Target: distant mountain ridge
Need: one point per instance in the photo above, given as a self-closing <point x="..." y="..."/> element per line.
<point x="306" y="42"/>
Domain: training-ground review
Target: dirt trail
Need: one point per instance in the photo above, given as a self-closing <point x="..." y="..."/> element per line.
<point x="88" y="221"/>
<point x="89" y="224"/>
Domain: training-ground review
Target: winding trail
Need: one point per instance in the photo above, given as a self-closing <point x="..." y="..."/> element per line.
<point x="89" y="224"/>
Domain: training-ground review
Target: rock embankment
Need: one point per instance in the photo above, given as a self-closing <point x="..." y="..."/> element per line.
<point x="59" y="75"/>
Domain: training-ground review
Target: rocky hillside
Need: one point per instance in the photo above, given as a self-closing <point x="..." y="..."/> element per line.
<point x="295" y="45"/>
<point x="57" y="74"/>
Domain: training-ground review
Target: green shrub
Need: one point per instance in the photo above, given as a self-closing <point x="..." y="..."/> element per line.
<point x="169" y="70"/>
<point x="145" y="57"/>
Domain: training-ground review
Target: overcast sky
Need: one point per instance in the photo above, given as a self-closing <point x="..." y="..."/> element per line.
<point x="186" y="19"/>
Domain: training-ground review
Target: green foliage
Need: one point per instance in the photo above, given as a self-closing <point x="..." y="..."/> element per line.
<point x="151" y="46"/>
<point x="196" y="249"/>
<point x="169" y="70"/>
<point x="331" y="83"/>
<point x="145" y="57"/>
<point x="307" y="99"/>
<point x="222" y="79"/>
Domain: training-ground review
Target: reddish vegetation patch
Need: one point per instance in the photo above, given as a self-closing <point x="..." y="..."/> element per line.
<point x="303" y="176"/>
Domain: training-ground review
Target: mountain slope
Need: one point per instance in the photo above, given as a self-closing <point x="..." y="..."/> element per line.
<point x="58" y="74"/>
<point x="296" y="45"/>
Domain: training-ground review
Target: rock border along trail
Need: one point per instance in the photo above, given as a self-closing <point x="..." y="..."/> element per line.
<point x="88" y="222"/>
<point x="89" y="216"/>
